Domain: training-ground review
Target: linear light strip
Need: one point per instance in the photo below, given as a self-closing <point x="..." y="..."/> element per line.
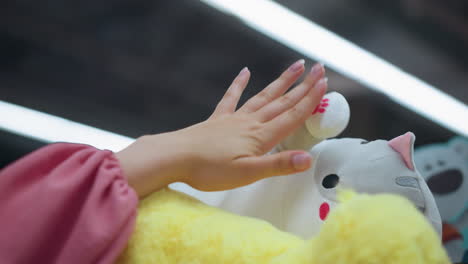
<point x="314" y="41"/>
<point x="48" y="128"/>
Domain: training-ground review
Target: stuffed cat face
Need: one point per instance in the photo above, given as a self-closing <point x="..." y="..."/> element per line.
<point x="370" y="167"/>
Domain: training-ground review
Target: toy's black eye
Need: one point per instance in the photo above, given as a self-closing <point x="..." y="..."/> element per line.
<point x="364" y="142"/>
<point x="330" y="181"/>
<point x="441" y="162"/>
<point x="428" y="167"/>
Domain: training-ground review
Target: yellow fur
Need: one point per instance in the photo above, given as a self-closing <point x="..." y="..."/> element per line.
<point x="381" y="229"/>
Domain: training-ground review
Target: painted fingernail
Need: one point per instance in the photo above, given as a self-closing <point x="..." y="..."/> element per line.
<point x="243" y="72"/>
<point x="322" y="83"/>
<point x="316" y="70"/>
<point x="297" y="66"/>
<point x="323" y="67"/>
<point x="301" y="161"/>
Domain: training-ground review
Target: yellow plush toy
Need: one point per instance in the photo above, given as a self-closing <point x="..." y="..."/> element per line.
<point x="175" y="228"/>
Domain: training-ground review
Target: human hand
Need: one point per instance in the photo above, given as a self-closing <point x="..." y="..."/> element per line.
<point x="227" y="150"/>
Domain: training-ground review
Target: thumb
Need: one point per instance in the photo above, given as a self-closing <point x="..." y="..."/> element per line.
<point x="281" y="163"/>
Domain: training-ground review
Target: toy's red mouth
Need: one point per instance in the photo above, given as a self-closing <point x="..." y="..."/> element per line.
<point x="324" y="210"/>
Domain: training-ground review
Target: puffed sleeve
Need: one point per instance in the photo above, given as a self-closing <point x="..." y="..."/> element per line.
<point x="65" y="203"/>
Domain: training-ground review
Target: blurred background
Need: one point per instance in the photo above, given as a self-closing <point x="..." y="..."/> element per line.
<point x="135" y="67"/>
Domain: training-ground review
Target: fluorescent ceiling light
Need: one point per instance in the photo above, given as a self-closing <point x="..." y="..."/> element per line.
<point x="48" y="128"/>
<point x="314" y="41"/>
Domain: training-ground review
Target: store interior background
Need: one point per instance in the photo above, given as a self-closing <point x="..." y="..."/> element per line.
<point x="137" y="67"/>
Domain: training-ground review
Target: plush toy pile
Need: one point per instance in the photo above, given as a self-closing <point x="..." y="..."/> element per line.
<point x="381" y="229"/>
<point x="303" y="218"/>
<point x="299" y="204"/>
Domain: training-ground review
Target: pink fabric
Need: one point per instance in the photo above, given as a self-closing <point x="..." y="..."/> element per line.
<point x="65" y="203"/>
<point x="404" y="146"/>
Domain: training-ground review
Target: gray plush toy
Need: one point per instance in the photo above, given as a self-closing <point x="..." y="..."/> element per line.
<point x="300" y="203"/>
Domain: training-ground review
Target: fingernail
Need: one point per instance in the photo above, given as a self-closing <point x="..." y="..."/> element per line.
<point x="323" y="67"/>
<point x="297" y="66"/>
<point x="243" y="72"/>
<point x="301" y="161"/>
<point x="316" y="70"/>
<point x="322" y="84"/>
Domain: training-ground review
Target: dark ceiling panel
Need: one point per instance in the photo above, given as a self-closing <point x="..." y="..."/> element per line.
<point x="138" y="67"/>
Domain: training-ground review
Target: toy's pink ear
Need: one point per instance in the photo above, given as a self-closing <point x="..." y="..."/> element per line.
<point x="404" y="146"/>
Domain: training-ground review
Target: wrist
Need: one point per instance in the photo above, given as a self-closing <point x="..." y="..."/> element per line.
<point x="153" y="162"/>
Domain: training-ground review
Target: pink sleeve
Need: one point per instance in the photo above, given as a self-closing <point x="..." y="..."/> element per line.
<point x="65" y="203"/>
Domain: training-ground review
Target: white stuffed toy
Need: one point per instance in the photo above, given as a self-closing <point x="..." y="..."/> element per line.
<point x="300" y="203"/>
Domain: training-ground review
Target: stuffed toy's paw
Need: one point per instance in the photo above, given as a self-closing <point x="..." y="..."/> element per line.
<point x="330" y="117"/>
<point x="175" y="228"/>
<point x="327" y="120"/>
